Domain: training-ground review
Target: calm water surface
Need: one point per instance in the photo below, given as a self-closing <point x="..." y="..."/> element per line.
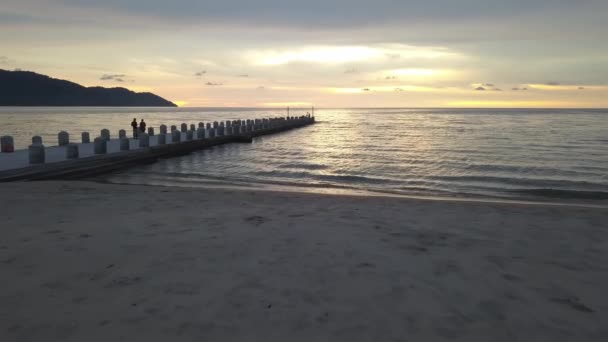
<point x="531" y="154"/>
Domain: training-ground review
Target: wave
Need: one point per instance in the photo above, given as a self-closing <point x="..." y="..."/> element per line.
<point x="529" y="169"/>
<point x="564" y="194"/>
<point x="305" y="166"/>
<point x="196" y="180"/>
<point x="531" y="182"/>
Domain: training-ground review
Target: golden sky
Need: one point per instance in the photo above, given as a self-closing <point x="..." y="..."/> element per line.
<point x="437" y="53"/>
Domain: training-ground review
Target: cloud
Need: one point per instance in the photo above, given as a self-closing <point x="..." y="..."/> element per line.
<point x="552" y="83"/>
<point x="518" y="89"/>
<point x="366" y="89"/>
<point x="212" y="84"/>
<point x="316" y="61"/>
<point x="261" y="88"/>
<point x="3" y="60"/>
<point x="581" y="88"/>
<point x="398" y="89"/>
<point x="113" y="77"/>
<point x="390" y="78"/>
<point x="488" y="86"/>
<point x="322" y="14"/>
<point x="243" y="76"/>
<point x="345" y="54"/>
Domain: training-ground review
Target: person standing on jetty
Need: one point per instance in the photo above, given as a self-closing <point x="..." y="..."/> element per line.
<point x="142" y="126"/>
<point x="134" y="125"/>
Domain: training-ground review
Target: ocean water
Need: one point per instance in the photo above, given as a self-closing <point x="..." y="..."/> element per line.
<point x="544" y="155"/>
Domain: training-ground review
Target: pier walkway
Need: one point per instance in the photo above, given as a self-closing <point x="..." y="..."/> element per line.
<point x="104" y="154"/>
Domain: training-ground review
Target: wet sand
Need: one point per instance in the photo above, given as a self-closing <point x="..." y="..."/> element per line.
<point x="83" y="261"/>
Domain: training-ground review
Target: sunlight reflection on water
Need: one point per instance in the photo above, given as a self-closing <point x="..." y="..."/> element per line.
<point x="496" y="153"/>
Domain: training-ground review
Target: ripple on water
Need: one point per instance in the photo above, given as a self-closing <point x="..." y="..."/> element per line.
<point x="546" y="154"/>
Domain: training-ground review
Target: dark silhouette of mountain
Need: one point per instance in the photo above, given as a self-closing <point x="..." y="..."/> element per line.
<point x="25" y="88"/>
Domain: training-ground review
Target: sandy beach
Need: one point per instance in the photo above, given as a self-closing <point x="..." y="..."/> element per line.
<point x="84" y="261"/>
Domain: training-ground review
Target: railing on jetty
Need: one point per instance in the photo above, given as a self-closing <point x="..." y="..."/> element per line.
<point x="77" y="160"/>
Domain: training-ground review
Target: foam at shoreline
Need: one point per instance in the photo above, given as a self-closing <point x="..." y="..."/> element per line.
<point x="583" y="201"/>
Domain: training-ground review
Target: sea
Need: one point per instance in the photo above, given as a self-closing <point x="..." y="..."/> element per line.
<point x="517" y="154"/>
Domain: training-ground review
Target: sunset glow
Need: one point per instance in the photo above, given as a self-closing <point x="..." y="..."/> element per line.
<point x="203" y="54"/>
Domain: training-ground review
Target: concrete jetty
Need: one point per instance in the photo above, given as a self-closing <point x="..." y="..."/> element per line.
<point x="72" y="160"/>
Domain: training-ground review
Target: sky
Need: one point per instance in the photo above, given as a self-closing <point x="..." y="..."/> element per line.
<point x="327" y="53"/>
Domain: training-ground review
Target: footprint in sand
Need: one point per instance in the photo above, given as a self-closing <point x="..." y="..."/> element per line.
<point x="415" y="248"/>
<point x="255" y="220"/>
<point x="183" y="289"/>
<point x="445" y="267"/>
<point x="511" y="277"/>
<point x="123" y="281"/>
<point x="574" y="303"/>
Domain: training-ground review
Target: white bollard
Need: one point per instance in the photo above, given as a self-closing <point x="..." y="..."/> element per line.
<point x="161" y="139"/>
<point x="144" y="140"/>
<point x="105" y="133"/>
<point x="71" y="151"/>
<point x="6" y="144"/>
<point x="125" y="144"/>
<point x="63" y="138"/>
<point x="200" y="133"/>
<point x="100" y="146"/>
<point x="36" y="154"/>
<point x="176" y="136"/>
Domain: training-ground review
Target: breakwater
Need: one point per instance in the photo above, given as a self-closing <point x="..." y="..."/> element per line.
<point x="104" y="154"/>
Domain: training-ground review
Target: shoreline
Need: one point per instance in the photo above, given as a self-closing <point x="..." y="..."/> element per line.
<point x="351" y="191"/>
<point x="93" y="261"/>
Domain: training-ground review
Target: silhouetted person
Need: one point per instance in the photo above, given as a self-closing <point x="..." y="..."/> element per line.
<point x="142" y="126"/>
<point x="134" y="125"/>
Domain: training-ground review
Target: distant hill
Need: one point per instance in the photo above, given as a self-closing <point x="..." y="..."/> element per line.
<point x="25" y="88"/>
